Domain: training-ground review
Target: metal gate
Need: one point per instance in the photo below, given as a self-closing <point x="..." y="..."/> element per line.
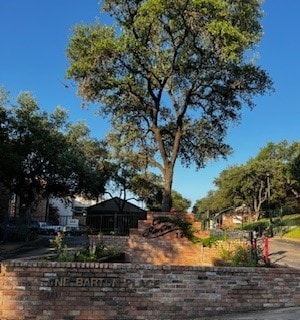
<point x="118" y="224"/>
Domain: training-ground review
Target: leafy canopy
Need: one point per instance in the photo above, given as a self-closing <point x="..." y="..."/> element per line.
<point x="265" y="182"/>
<point x="172" y="75"/>
<point x="42" y="155"/>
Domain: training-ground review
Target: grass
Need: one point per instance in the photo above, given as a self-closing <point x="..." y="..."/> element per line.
<point x="293" y="234"/>
<point x="286" y="223"/>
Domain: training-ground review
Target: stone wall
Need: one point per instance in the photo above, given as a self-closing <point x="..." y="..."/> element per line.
<point x="92" y="291"/>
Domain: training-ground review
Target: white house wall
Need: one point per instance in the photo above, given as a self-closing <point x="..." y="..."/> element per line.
<point x="66" y="208"/>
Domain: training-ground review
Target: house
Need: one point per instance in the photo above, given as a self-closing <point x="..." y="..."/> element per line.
<point x="60" y="210"/>
<point x="231" y="217"/>
<point x="71" y="208"/>
<point x="114" y="216"/>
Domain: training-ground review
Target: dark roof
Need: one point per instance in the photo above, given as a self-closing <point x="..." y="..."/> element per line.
<point x="114" y="205"/>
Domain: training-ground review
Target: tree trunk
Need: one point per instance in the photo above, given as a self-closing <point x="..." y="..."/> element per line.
<point x="168" y="181"/>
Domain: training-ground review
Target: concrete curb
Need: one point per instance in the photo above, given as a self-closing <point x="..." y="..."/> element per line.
<point x="291" y="313"/>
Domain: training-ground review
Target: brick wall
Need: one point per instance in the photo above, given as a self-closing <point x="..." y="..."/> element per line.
<point x="162" y="244"/>
<point x="89" y="291"/>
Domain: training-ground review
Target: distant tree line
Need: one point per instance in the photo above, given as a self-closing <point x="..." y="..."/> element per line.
<point x="267" y="183"/>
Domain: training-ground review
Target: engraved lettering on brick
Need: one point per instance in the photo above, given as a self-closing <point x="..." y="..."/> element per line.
<point x="103" y="282"/>
<point x="149" y="284"/>
<point x="61" y="282"/>
<point x="159" y="229"/>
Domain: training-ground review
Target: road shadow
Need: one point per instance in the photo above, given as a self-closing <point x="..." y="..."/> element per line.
<point x="278" y="256"/>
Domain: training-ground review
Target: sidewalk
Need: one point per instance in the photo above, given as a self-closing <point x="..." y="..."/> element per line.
<point x="275" y="314"/>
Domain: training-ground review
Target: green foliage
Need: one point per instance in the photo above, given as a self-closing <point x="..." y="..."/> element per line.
<point x="261" y="224"/>
<point x="294" y="172"/>
<point x="93" y="254"/>
<point x="210" y="241"/>
<point x="58" y="242"/>
<point x="61" y="251"/>
<point x="148" y="186"/>
<point x="186" y="228"/>
<point x="243" y="256"/>
<point x="280" y="225"/>
<point x="88" y="254"/>
<point x="44" y="155"/>
<point x="179" y="203"/>
<point x="265" y="183"/>
<point x="207" y="204"/>
<point x="172" y="87"/>
<point x="291" y="220"/>
<point x="226" y="254"/>
<point x="188" y="231"/>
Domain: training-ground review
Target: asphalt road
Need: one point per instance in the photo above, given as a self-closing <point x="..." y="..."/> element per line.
<point x="38" y="248"/>
<point x="284" y="252"/>
<point x="19" y="251"/>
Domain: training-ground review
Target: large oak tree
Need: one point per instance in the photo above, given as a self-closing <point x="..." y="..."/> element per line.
<point x="172" y="76"/>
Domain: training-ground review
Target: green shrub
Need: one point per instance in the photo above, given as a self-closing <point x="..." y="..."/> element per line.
<point x="291" y="220"/>
<point x="209" y="242"/>
<point x="61" y="250"/>
<point x="187" y="231"/>
<point x="93" y="254"/>
<point x="279" y="225"/>
<point x="262" y="224"/>
<point x="226" y="254"/>
<point x="243" y="256"/>
<point x="89" y="254"/>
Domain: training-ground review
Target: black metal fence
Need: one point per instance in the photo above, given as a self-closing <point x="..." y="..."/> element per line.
<point x="115" y="223"/>
<point x="118" y="224"/>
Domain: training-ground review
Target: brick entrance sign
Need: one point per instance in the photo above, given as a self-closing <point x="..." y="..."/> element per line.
<point x="166" y="277"/>
<point x="93" y="291"/>
<point x="161" y="243"/>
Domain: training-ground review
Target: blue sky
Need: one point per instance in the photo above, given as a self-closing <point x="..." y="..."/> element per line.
<point x="34" y="37"/>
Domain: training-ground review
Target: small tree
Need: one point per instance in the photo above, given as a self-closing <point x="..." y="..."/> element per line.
<point x="179" y="203"/>
<point x="172" y="75"/>
<point x="148" y="186"/>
